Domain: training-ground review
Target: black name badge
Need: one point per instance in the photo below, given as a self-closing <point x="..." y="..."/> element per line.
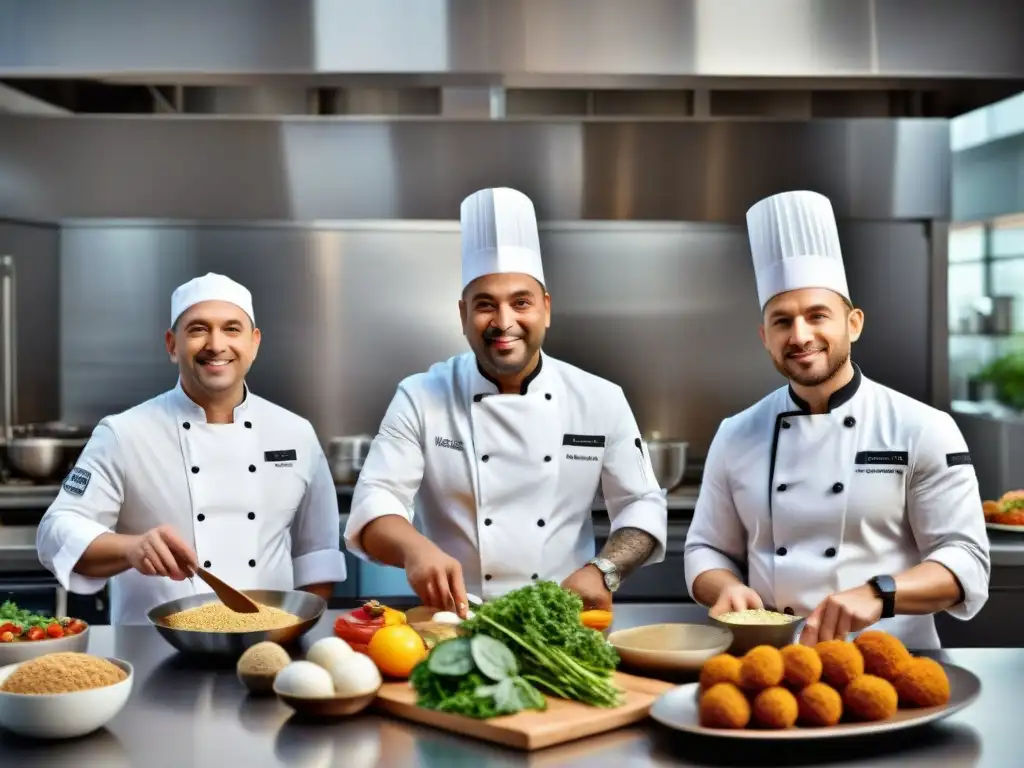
<point x="584" y="441"/>
<point x="958" y="459"/>
<point x="280" y="455"/>
<point x="901" y="458"/>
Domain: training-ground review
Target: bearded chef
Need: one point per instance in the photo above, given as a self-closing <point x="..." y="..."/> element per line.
<point x="506" y="447"/>
<point x="205" y="474"/>
<point x="834" y="498"/>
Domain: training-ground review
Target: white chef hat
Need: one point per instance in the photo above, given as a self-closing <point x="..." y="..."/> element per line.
<point x="499" y="234"/>
<point x="210" y="287"/>
<point x="795" y="244"/>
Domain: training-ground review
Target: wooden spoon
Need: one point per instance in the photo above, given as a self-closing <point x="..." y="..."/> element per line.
<point x="231" y="597"/>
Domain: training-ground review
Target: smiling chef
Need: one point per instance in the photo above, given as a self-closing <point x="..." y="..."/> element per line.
<point x="506" y="447"/>
<point x="207" y="473"/>
<point x="834" y="498"/>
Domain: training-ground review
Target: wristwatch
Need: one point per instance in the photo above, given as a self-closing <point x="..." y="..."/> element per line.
<point x="885" y="589"/>
<point x="609" y="570"/>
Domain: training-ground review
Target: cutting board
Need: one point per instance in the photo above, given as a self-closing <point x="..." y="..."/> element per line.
<point x="563" y="721"/>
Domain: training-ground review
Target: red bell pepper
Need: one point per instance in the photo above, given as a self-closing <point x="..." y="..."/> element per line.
<point x="357" y="627"/>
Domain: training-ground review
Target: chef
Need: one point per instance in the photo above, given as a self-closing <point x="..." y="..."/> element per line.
<point x="206" y="474"/>
<point x="834" y="498"/>
<point x="504" y="447"/>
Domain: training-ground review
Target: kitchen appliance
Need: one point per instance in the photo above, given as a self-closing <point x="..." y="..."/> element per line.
<point x="346" y="456"/>
<point x="40" y="452"/>
<point x="668" y="457"/>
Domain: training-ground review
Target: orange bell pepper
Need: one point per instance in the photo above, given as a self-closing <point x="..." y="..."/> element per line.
<point x="599" y="620"/>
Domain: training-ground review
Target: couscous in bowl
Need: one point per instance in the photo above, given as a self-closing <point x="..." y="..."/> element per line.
<point x="230" y="642"/>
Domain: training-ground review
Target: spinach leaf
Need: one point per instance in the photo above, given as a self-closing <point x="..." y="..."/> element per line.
<point x="493" y="658"/>
<point x="452" y="657"/>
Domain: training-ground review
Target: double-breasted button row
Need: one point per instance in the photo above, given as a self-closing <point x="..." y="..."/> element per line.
<point x="187" y="425"/>
<point x="207" y="564"/>
<point x="485" y="457"/>
<point x="836" y="487"/>
<point x="489" y="521"/>
<point x="252" y="468"/>
<point x="200" y="517"/>
<point x="782" y="552"/>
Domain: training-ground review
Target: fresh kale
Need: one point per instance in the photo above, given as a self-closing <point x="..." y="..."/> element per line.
<point x="476" y="677"/>
<point x="540" y="623"/>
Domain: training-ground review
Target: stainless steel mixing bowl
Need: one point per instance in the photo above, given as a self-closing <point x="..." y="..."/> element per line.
<point x="668" y="457"/>
<point x="307" y="606"/>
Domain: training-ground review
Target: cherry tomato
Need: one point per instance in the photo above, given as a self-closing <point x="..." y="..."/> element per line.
<point x="55" y="630"/>
<point x="74" y="627"/>
<point x="8" y="627"/>
<point x="36" y="633"/>
<point x="18" y="630"/>
<point x="6" y="637"/>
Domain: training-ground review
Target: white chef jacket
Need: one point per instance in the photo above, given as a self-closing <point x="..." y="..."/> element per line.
<point x="506" y="484"/>
<point x="255" y="499"/>
<point x="800" y="506"/>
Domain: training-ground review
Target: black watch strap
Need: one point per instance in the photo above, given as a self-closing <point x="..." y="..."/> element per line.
<point x="885" y="589"/>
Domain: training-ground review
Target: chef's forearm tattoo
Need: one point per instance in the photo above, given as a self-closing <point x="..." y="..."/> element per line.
<point x="629" y="548"/>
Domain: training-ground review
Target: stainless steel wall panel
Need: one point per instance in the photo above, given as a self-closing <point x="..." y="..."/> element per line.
<point x="668" y="311"/>
<point x="311" y="169"/>
<point x="548" y="38"/>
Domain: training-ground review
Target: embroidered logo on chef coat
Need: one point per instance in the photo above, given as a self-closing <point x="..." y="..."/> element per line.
<point x="881" y="462"/>
<point x="447" y="442"/>
<point x="958" y="459"/>
<point x="77" y="481"/>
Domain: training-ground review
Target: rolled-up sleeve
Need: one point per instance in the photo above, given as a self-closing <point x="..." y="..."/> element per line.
<point x="716" y="538"/>
<point x="392" y="472"/>
<point x="631" y="492"/>
<point x="317" y="557"/>
<point x="87" y="506"/>
<point x="945" y="512"/>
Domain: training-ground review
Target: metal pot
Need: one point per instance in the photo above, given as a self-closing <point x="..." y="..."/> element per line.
<point x="346" y="456"/>
<point x="43" y="458"/>
<point x="668" y="457"/>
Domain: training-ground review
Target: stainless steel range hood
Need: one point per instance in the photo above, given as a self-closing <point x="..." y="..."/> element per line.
<point x="527" y="43"/>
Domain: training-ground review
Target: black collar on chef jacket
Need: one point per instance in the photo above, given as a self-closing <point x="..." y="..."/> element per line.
<point x="838" y="398"/>
<point x="524" y="386"/>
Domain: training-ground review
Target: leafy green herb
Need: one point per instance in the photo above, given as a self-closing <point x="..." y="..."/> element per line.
<point x="540" y="624"/>
<point x="477" y="678"/>
<point x="10" y="613"/>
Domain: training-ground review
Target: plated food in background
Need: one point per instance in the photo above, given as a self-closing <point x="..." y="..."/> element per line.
<point x="62" y="695"/>
<point x="18" y="625"/>
<point x="517" y="648"/>
<point x="217" y="617"/>
<point x="866" y="680"/>
<point x="1007" y="513"/>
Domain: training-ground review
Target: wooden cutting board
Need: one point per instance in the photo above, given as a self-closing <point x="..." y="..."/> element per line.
<point x="563" y="721"/>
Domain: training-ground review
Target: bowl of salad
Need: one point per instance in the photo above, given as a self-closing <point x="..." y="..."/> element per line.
<point x="25" y="635"/>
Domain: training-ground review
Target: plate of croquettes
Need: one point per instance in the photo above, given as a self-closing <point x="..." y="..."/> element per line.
<point x="837" y="688"/>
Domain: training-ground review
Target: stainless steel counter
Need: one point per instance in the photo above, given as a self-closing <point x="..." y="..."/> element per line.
<point x="182" y="716"/>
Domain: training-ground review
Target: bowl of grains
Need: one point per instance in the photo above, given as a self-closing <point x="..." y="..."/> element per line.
<point x="203" y="625"/>
<point x="63" y="695"/>
<point x="758" y="626"/>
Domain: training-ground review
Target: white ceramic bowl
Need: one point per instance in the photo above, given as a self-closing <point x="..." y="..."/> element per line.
<point x="670" y="647"/>
<point x="23" y="650"/>
<point x="63" y="715"/>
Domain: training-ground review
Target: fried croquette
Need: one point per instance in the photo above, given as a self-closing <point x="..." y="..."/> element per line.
<point x="922" y="682"/>
<point x="883" y="654"/>
<point x="723" y="668"/>
<point x="870" y="698"/>
<point x="762" y="667"/>
<point x="775" y="708"/>
<point x="841" y="662"/>
<point x="724" y="706"/>
<point x="819" y="705"/>
<point x="802" y="666"/>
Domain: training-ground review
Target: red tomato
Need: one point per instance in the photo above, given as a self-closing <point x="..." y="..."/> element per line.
<point x="7" y="637"/>
<point x="74" y="627"/>
<point x="18" y="630"/>
<point x="36" y="633"/>
<point x="8" y="627"/>
<point x="55" y="630"/>
<point x="357" y="631"/>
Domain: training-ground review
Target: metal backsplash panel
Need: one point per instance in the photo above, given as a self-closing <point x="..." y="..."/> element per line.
<point x="668" y="311"/>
